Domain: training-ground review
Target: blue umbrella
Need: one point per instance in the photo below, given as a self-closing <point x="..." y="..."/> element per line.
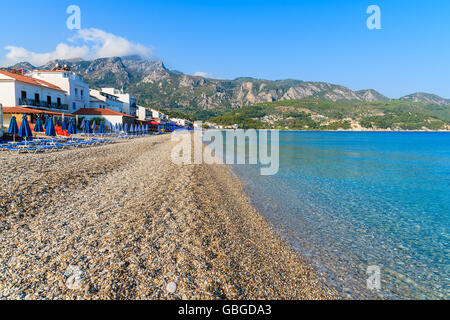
<point x="50" y="128"/>
<point x="25" y="130"/>
<point x="87" y="127"/>
<point x="38" y="126"/>
<point x="71" y="129"/>
<point x="13" y="128"/>
<point x="46" y="121"/>
<point x="83" y="123"/>
<point x="125" y="127"/>
<point x="94" y="125"/>
<point x="101" y="128"/>
<point x="64" y="124"/>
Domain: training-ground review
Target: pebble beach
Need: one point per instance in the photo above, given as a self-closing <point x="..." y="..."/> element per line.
<point x="122" y="221"/>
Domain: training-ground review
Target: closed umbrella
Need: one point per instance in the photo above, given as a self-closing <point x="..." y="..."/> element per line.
<point x="94" y="126"/>
<point x="125" y="129"/>
<point x="25" y="130"/>
<point x="64" y="124"/>
<point x="46" y="121"/>
<point x="38" y="126"/>
<point x="101" y="128"/>
<point x="87" y="127"/>
<point x="50" y="128"/>
<point x="71" y="129"/>
<point x="13" y="128"/>
<point x="83" y="123"/>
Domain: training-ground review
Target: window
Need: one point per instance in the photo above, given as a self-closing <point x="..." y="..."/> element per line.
<point x="23" y="95"/>
<point x="74" y="105"/>
<point x="49" y="101"/>
<point x="58" y="102"/>
<point x="36" y="97"/>
<point x="76" y="92"/>
<point x="82" y="94"/>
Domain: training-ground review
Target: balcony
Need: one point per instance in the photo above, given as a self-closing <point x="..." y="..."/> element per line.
<point x="43" y="104"/>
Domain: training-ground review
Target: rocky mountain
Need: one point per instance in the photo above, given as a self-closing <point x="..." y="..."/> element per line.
<point x="154" y="84"/>
<point x="371" y="95"/>
<point x="426" y="98"/>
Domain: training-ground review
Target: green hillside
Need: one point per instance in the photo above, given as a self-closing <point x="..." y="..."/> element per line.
<point x="309" y="114"/>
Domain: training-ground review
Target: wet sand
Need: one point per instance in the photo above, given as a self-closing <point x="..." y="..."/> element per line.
<point x="122" y="221"/>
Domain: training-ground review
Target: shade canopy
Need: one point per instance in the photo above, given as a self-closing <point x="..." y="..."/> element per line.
<point x="101" y="128"/>
<point x="13" y="127"/>
<point x="25" y="130"/>
<point x="71" y="129"/>
<point x="38" y="126"/>
<point x="50" y="128"/>
<point x="87" y="127"/>
<point x="64" y="125"/>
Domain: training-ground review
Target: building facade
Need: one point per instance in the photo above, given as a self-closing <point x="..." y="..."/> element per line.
<point x="17" y="90"/>
<point x="73" y="84"/>
<point x="129" y="102"/>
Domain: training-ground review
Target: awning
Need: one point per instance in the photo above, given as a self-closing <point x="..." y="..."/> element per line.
<point x="154" y="123"/>
<point x="21" y="110"/>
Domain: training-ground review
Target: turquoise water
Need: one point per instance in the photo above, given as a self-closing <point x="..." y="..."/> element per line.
<point x="349" y="200"/>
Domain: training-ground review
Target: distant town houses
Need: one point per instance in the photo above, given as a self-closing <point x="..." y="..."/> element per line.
<point x="63" y="93"/>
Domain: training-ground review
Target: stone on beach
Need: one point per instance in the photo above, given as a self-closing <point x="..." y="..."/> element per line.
<point x="100" y="223"/>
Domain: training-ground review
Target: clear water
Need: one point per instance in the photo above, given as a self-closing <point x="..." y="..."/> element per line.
<point x="349" y="200"/>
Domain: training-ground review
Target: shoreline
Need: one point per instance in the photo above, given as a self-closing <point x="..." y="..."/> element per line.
<point x="122" y="221"/>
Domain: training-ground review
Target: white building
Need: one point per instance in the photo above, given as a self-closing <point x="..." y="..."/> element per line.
<point x="20" y="94"/>
<point x="72" y="83"/>
<point x="181" y="122"/>
<point x="17" y="90"/>
<point x="144" y="114"/>
<point x="104" y="100"/>
<point x="111" y="117"/>
<point x="129" y="101"/>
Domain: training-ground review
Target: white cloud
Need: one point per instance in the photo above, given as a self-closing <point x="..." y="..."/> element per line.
<point x="203" y="74"/>
<point x="94" y="44"/>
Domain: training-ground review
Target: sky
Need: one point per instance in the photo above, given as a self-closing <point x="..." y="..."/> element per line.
<point x="310" y="40"/>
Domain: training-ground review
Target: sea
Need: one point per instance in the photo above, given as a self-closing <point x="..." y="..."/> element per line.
<point x="369" y="211"/>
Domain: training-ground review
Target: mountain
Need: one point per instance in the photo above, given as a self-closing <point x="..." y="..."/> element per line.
<point x="23" y="66"/>
<point x="371" y="95"/>
<point x="426" y="98"/>
<point x="156" y="85"/>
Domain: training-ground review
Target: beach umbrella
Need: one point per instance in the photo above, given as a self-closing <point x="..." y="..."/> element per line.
<point x="101" y="128"/>
<point x="46" y="121"/>
<point x="87" y="127"/>
<point x="50" y="128"/>
<point x="64" y="124"/>
<point x="13" y="128"/>
<point x="83" y="123"/>
<point x="71" y="129"/>
<point x="38" y="126"/>
<point x="126" y="127"/>
<point x="25" y="130"/>
<point x="94" y="125"/>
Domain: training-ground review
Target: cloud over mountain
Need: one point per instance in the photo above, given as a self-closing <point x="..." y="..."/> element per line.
<point x="87" y="44"/>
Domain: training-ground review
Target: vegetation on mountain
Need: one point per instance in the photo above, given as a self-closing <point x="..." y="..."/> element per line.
<point x="259" y="103"/>
<point x="310" y="114"/>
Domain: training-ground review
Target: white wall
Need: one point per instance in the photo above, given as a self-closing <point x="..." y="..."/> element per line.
<point x="7" y="93"/>
<point x="71" y="83"/>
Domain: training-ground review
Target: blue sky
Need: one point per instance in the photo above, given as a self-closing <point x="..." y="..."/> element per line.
<point x="320" y="40"/>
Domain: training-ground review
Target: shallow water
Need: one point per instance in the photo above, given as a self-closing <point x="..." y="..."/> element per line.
<point x="347" y="201"/>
